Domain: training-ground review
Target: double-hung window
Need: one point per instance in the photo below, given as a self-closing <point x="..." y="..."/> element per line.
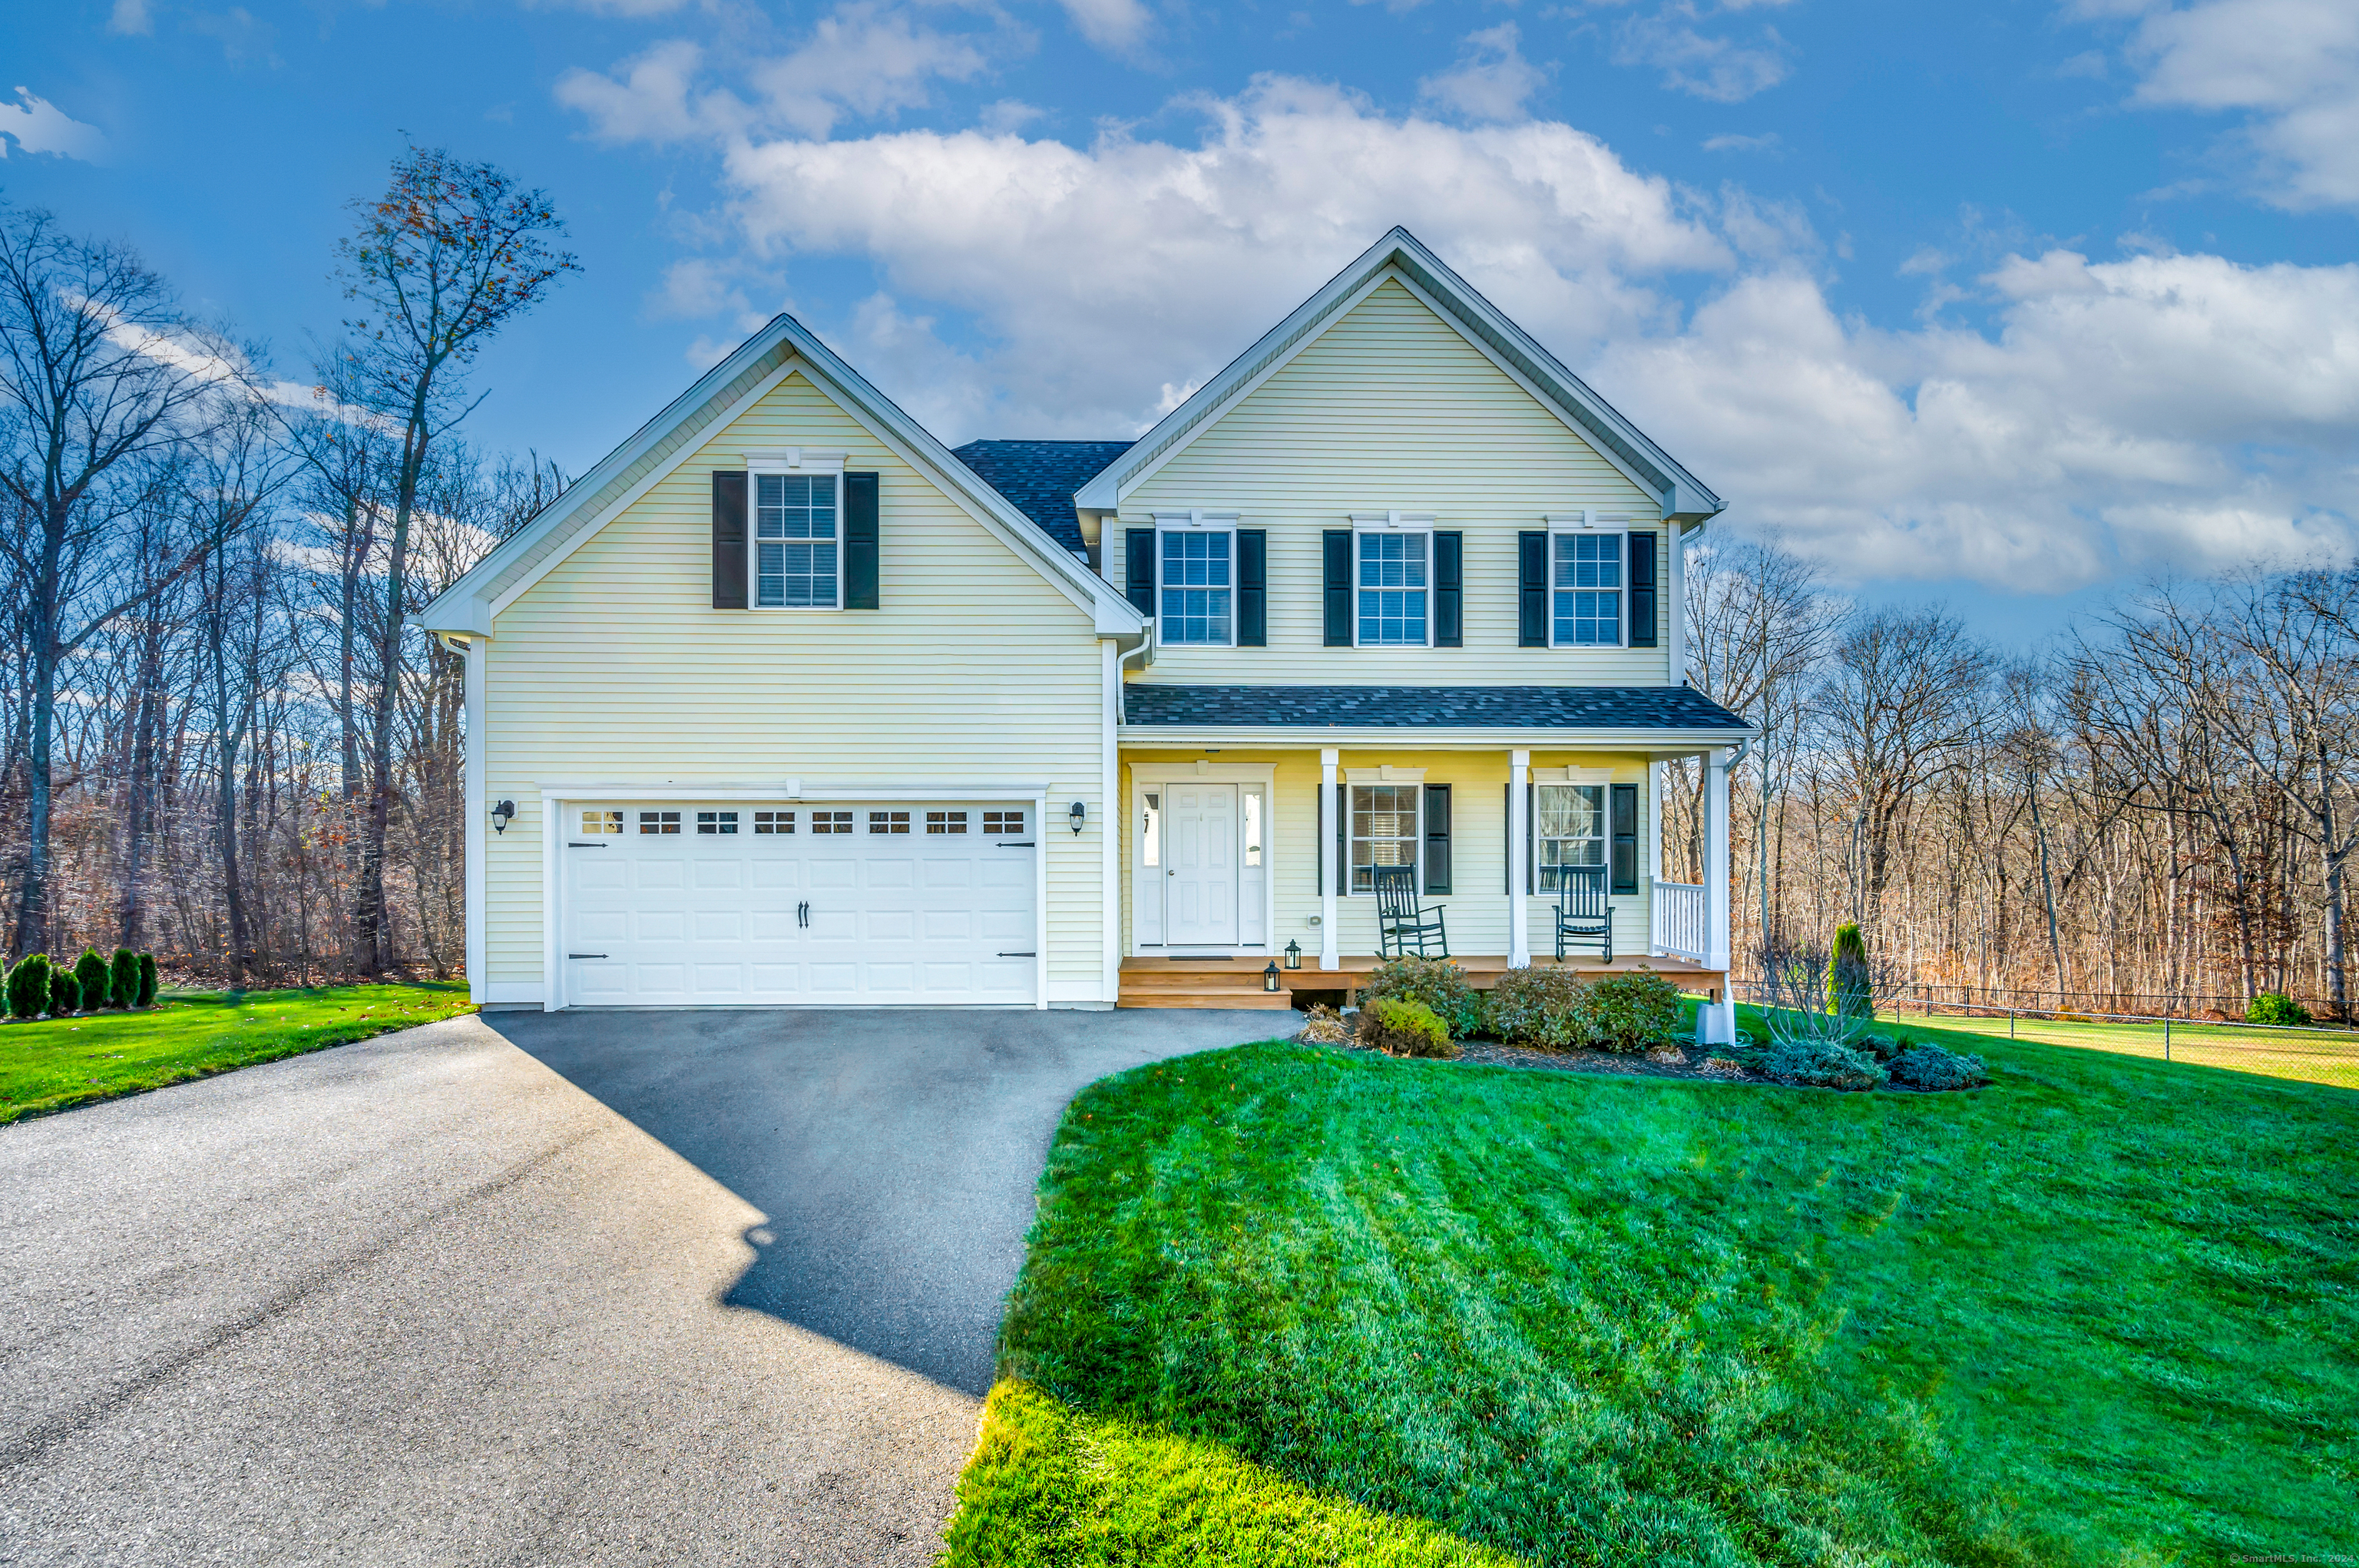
<point x="1196" y="576"/>
<point x="1392" y="575"/>
<point x="1570" y="826"/>
<point x="1587" y="595"/>
<point x="798" y="541"/>
<point x="1383" y="830"/>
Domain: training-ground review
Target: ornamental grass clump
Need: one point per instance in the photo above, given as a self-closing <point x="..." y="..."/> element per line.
<point x="1631" y="1013"/>
<point x="28" y="986"/>
<point x="1402" y="1028"/>
<point x="91" y="976"/>
<point x="1540" y="1009"/>
<point x="1929" y="1066"/>
<point x="123" y="979"/>
<point x="1437" y="983"/>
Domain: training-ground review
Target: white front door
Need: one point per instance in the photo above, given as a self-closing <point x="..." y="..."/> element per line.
<point x="1199" y="883"/>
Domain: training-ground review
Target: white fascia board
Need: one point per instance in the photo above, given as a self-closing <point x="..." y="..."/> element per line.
<point x="789" y="789"/>
<point x="1680" y="743"/>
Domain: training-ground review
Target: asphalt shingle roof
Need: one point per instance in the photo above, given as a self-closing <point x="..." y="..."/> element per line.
<point x="1423" y="707"/>
<point x="1041" y="476"/>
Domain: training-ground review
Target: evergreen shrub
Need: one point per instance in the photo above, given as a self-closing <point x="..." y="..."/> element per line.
<point x="1540" y="1009"/>
<point x="1634" y="1012"/>
<point x="65" y="993"/>
<point x="1398" y="1027"/>
<point x="147" y="979"/>
<point x="1930" y="1066"/>
<point x="91" y="976"/>
<point x="1851" y="989"/>
<point x="2275" y="1007"/>
<point x="123" y="979"/>
<point x="1436" y="982"/>
<point x="1822" y="1064"/>
<point x="28" y="986"/>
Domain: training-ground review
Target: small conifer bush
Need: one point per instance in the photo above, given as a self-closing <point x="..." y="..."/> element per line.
<point x="147" y="979"/>
<point x="1400" y="1027"/>
<point x="89" y="978"/>
<point x="123" y="979"/>
<point x="2275" y="1007"/>
<point x="65" y="993"/>
<point x="28" y="986"/>
<point x="1851" y="989"/>
<point x="1821" y="1064"/>
<point x="1930" y="1066"/>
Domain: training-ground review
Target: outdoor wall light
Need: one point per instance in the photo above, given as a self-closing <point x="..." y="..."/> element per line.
<point x="502" y="814"/>
<point x="1294" y="955"/>
<point x="1074" y="813"/>
<point x="1269" y="978"/>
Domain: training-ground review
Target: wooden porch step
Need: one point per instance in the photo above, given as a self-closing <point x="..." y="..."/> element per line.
<point x="1256" y="998"/>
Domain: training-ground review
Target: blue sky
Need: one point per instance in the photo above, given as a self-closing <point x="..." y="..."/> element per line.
<point x="2010" y="304"/>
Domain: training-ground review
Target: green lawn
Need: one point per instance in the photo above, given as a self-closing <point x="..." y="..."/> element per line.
<point x="52" y="1064"/>
<point x="2102" y="1312"/>
<point x="2314" y="1056"/>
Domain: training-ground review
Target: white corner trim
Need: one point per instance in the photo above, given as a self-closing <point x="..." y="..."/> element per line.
<point x="476" y="807"/>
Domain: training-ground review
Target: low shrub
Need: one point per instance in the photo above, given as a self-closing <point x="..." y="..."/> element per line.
<point x="1398" y="1027"/>
<point x="1545" y="1009"/>
<point x="1929" y="1066"/>
<point x="1633" y="1012"/>
<point x="1883" y="1047"/>
<point x="91" y="976"/>
<point x="123" y="979"/>
<point x="1436" y="982"/>
<point x="147" y="979"/>
<point x="1821" y="1064"/>
<point x="2275" y="1007"/>
<point x="65" y="993"/>
<point x="1323" y="1025"/>
<point x="28" y="986"/>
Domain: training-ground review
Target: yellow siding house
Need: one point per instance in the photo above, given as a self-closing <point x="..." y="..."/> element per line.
<point x="1372" y="645"/>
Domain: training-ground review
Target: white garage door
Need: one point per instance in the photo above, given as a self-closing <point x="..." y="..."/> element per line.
<point x="676" y="904"/>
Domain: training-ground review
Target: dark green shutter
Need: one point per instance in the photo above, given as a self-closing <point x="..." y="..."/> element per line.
<point x="1642" y="594"/>
<point x="1437" y="838"/>
<point x="728" y="541"/>
<point x="1531" y="842"/>
<point x="1449" y="590"/>
<point x="1531" y="589"/>
<point x="1138" y="569"/>
<point x="1623" y="826"/>
<point x="860" y="541"/>
<point x="1337" y="546"/>
<point x="1252" y="588"/>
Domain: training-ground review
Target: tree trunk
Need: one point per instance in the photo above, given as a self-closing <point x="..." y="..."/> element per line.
<point x="374" y="937"/>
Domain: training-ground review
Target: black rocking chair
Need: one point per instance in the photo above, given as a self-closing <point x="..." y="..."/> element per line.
<point x="1582" y="915"/>
<point x="1401" y="925"/>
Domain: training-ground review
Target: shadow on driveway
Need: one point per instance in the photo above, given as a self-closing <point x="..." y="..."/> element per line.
<point x="894" y="1152"/>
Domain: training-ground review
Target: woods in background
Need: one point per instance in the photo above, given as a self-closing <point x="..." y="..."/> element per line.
<point x="226" y="739"/>
<point x="2155" y="814"/>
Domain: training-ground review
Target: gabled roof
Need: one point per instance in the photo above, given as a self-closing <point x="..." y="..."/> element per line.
<point x="1684" y="497"/>
<point x="722" y="394"/>
<point x="1041" y="477"/>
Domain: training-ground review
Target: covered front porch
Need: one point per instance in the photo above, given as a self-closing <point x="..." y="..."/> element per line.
<point x="1262" y="838"/>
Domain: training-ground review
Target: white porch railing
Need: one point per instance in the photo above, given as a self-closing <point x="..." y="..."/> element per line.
<point x="1679" y="919"/>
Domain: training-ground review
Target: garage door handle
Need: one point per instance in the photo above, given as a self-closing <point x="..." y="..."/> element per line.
<point x="1010" y="843"/>
<point x="583" y="843"/>
<point x="1020" y="955"/>
<point x="585" y="956"/>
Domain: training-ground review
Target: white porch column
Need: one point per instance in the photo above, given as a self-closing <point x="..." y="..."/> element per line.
<point x="1519" y="936"/>
<point x="1330" y="957"/>
<point x="1654" y="871"/>
<point x="1721" y="1028"/>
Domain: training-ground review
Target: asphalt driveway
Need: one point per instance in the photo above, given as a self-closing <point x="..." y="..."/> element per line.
<point x="657" y="1288"/>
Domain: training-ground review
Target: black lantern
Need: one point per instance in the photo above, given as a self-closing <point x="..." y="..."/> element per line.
<point x="1269" y="978"/>
<point x="1294" y="955"/>
<point x="1075" y="813"/>
<point x="501" y="816"/>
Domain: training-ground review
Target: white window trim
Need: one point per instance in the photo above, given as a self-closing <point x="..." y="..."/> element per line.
<point x="1392" y="522"/>
<point x="1195" y="520"/>
<point x="796" y="461"/>
<point x="1411" y="778"/>
<point x="1618" y="523"/>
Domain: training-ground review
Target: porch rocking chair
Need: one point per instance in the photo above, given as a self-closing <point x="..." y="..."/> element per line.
<point x="1401" y="925"/>
<point x="1582" y="914"/>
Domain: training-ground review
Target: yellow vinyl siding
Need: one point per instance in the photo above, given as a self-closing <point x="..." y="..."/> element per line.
<point x="1392" y="408"/>
<point x="1477" y="904"/>
<point x="614" y="669"/>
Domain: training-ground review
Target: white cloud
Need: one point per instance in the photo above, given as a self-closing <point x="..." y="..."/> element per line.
<point x="2292" y="66"/>
<point x="1395" y="6"/>
<point x="1768" y="141"/>
<point x="1117" y="25"/>
<point x="866" y="60"/>
<point x="130" y="16"/>
<point x="649" y="103"/>
<point x="38" y="126"/>
<point x="1706" y="64"/>
<point x="1492" y="81"/>
<point x="1106" y="271"/>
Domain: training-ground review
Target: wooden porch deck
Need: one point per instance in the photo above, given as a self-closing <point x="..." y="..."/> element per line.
<point x="1236" y="982"/>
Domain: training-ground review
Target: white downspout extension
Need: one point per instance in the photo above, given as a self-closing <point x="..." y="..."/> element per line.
<point x="1519" y="936"/>
<point x="1329" y="957"/>
<point x="1110" y="826"/>
<point x="477" y="808"/>
<point x="1721" y="1028"/>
